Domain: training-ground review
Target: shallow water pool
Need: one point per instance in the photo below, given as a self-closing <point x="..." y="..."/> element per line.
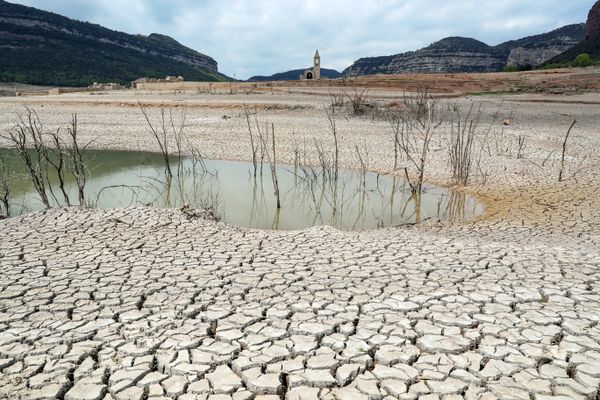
<point x="234" y="193"/>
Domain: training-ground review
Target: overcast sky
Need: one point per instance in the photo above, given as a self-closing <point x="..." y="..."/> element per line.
<point x="262" y="37"/>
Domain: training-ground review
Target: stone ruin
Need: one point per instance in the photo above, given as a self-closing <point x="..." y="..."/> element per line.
<point x="169" y="78"/>
<point x="105" y="86"/>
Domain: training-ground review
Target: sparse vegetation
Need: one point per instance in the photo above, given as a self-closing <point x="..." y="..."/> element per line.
<point x="358" y="101"/>
<point x="582" y="60"/>
<point x="162" y="132"/>
<point x="252" y="144"/>
<point x="564" y="151"/>
<point x="25" y="135"/>
<point x="174" y="147"/>
<point x="78" y="165"/>
<point x="462" y="137"/>
<point x="511" y="68"/>
<point x="45" y="155"/>
<point x="5" y="179"/>
<point x="414" y="128"/>
<point x="336" y="145"/>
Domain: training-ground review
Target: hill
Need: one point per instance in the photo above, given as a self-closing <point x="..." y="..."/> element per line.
<point x="567" y="34"/>
<point x="459" y="54"/>
<point x="293" y="75"/>
<point x="533" y="51"/>
<point x="45" y="48"/>
<point x="590" y="47"/>
<point x="591" y="44"/>
<point x="452" y="54"/>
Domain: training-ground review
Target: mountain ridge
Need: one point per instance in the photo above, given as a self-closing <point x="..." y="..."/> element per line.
<point x="28" y="35"/>
<point x="461" y="54"/>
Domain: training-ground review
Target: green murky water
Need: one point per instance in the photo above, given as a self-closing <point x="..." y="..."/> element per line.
<point x="355" y="201"/>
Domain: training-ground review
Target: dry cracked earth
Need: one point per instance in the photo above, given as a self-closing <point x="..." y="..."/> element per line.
<point x="147" y="304"/>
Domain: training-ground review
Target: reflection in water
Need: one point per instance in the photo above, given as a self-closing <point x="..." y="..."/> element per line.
<point x="353" y="201"/>
<point x="456" y="207"/>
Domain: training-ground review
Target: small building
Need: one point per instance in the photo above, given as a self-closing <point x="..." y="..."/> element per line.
<point x="105" y="86"/>
<point x="313" y="73"/>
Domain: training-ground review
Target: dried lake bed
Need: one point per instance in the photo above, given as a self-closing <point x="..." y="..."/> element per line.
<point x="148" y="303"/>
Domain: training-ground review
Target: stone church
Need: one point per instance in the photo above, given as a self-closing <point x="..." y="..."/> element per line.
<point x="314" y="72"/>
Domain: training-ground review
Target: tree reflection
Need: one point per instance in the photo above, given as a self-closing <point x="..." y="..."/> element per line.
<point x="349" y="200"/>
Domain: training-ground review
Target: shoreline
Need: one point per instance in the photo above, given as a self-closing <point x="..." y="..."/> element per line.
<point x="210" y="125"/>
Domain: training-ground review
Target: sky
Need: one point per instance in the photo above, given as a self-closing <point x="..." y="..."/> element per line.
<point x="263" y="37"/>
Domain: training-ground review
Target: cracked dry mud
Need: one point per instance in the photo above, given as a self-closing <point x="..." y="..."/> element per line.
<point x="145" y="303"/>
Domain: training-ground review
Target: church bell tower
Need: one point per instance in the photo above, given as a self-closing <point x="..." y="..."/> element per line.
<point x="317" y="66"/>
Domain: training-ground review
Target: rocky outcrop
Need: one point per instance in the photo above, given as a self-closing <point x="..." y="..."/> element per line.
<point x="593" y="23"/>
<point x="452" y="54"/>
<point x="447" y="61"/>
<point x="536" y="50"/>
<point x="524" y="57"/>
<point x="169" y="47"/>
<point x="590" y="45"/>
<point x="457" y="54"/>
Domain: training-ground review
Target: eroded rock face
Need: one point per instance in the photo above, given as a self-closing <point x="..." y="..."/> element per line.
<point x="450" y="55"/>
<point x="459" y="61"/>
<point x="593" y="22"/>
<point x="458" y="54"/>
<point x="531" y="57"/>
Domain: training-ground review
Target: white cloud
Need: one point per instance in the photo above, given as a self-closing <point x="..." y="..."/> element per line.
<point x="250" y="37"/>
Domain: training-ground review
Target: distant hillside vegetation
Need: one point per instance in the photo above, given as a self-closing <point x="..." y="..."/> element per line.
<point x="293" y="75"/>
<point x="459" y="44"/>
<point x="43" y="48"/>
<point x="590" y="47"/>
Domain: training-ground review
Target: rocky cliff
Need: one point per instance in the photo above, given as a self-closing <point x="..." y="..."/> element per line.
<point x="454" y="54"/>
<point x="590" y="46"/>
<point x="458" y="54"/>
<point x="536" y="50"/>
<point x="592" y="30"/>
<point x="523" y="57"/>
<point x="78" y="53"/>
